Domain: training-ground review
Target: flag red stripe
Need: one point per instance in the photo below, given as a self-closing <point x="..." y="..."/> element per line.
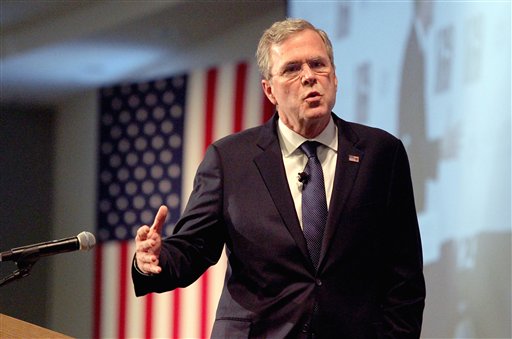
<point x="211" y="82"/>
<point x="240" y="84"/>
<point x="268" y="108"/>
<point x="175" y="329"/>
<point x="205" y="282"/>
<point x="148" y="331"/>
<point x="98" y="274"/>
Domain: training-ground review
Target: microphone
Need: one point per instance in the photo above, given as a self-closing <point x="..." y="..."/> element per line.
<point x="83" y="242"/>
<point x="303" y="177"/>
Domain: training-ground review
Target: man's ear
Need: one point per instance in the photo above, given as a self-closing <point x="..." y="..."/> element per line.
<point x="267" y="89"/>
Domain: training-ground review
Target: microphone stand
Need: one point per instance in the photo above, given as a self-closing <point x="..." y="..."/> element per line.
<point x="24" y="264"/>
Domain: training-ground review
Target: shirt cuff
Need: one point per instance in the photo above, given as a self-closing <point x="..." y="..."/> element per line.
<point x="138" y="269"/>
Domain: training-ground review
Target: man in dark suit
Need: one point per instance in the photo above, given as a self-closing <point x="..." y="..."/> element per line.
<point x="362" y="279"/>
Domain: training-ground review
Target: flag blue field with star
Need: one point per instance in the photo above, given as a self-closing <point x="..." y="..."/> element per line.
<point x="141" y="152"/>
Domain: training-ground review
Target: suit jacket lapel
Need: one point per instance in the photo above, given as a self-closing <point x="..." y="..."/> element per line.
<point x="347" y="166"/>
<point x="275" y="180"/>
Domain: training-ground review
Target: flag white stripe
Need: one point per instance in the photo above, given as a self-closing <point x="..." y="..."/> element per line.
<point x="193" y="130"/>
<point x="224" y="103"/>
<point x="110" y="290"/>
<point x="190" y="312"/>
<point x="136" y="307"/>
<point x="162" y="315"/>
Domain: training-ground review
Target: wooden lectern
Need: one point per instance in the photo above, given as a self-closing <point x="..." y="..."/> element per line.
<point x="11" y="328"/>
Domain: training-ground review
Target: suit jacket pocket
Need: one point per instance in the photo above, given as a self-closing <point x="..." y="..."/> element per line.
<point x="231" y="328"/>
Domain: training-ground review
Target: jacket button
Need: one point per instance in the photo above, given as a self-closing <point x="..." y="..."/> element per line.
<point x="318" y="282"/>
<point x="305" y="328"/>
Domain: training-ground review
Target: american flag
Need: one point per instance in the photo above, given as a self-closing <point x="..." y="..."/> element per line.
<point x="152" y="137"/>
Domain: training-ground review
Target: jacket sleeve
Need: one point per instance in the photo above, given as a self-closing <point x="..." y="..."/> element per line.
<point x="198" y="237"/>
<point x="404" y="295"/>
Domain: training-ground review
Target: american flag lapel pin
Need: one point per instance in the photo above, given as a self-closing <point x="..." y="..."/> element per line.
<point x="353" y="158"/>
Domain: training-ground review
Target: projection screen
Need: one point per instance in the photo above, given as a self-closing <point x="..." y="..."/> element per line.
<point x="437" y="75"/>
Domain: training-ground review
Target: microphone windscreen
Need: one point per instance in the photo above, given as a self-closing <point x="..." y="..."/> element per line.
<point x="86" y="240"/>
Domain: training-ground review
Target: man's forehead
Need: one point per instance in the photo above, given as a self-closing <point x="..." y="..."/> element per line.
<point x="313" y="35"/>
<point x="292" y="50"/>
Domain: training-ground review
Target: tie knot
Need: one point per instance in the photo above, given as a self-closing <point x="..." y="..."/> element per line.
<point x="309" y="147"/>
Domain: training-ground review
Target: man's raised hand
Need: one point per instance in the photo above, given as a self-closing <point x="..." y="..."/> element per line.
<point x="148" y="243"/>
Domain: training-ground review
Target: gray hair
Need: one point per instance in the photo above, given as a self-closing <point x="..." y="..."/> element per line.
<point x="281" y="31"/>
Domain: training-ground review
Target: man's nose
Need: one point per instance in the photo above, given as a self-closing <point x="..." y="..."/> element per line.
<point x="307" y="76"/>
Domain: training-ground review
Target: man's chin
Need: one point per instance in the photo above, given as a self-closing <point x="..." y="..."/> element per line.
<point x="317" y="113"/>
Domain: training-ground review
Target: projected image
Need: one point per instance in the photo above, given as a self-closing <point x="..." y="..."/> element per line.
<point x="437" y="75"/>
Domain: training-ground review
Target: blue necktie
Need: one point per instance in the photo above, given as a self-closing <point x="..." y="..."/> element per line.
<point x="314" y="202"/>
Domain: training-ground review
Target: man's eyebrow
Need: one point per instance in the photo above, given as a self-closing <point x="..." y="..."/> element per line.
<point x="314" y="58"/>
<point x="292" y="62"/>
<point x="318" y="57"/>
<point x="300" y="62"/>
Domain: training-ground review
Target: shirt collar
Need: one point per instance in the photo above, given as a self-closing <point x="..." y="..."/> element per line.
<point x="291" y="140"/>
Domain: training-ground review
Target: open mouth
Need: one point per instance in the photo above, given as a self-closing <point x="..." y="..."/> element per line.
<point x="312" y="96"/>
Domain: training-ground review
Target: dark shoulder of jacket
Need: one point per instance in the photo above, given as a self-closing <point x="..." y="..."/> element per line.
<point x="248" y="141"/>
<point x="361" y="134"/>
<point x="250" y="136"/>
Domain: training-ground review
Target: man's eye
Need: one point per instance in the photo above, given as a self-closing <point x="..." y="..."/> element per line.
<point x="315" y="64"/>
<point x="291" y="69"/>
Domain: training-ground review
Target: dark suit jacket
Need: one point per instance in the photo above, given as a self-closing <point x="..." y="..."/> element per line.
<point x="369" y="283"/>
